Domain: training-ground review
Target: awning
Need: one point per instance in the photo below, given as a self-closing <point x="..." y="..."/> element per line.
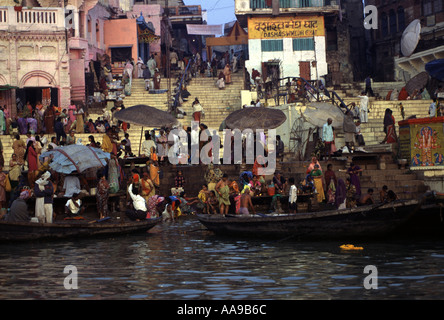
<point x="205" y="30"/>
<point x="7" y="87"/>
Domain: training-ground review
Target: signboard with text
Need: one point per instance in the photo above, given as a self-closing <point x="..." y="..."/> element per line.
<point x="285" y="27"/>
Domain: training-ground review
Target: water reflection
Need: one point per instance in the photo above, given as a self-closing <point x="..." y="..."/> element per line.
<point x="180" y="261"/>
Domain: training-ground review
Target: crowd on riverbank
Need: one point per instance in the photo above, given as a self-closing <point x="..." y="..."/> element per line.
<point x="30" y="176"/>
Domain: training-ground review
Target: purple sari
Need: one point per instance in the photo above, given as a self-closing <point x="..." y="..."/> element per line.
<point x="354" y="178"/>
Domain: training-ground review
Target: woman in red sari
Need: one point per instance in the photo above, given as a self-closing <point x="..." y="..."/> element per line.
<point x="31" y="156"/>
<point x="389" y="127"/>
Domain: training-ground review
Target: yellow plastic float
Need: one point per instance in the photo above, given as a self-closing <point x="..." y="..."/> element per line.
<point x="350" y="247"/>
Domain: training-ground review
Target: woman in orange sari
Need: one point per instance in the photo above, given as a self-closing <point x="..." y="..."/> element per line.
<point x="154" y="167"/>
<point x="227" y="74"/>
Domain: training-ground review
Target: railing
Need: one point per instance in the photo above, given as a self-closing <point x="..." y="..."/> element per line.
<point x="3" y="15"/>
<point x="38" y="18"/>
<point x="182" y="79"/>
<point x="313" y="90"/>
<point x="261" y="4"/>
<point x="185" y="11"/>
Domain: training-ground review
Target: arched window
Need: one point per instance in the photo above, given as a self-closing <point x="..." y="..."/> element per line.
<point x="89" y="25"/>
<point x="401" y="19"/>
<point x="97" y="34"/>
<point x="392" y="21"/>
<point x="384" y="25"/>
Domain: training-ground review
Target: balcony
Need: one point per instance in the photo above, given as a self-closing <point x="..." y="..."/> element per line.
<point x="188" y="14"/>
<point x="31" y="20"/>
<point x="244" y="7"/>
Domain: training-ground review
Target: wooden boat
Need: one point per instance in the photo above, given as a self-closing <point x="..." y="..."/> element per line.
<point x="363" y="221"/>
<point x="21" y="231"/>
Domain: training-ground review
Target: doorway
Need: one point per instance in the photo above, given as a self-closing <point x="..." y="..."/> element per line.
<point x="304" y="70"/>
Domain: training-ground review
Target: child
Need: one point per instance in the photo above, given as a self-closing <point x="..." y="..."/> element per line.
<point x="245" y="202"/>
<point x="73" y="206"/>
<point x="292" y="196"/>
<point x="179" y="182"/>
<point x="203" y="196"/>
<point x="172" y="210"/>
<point x="212" y="203"/>
<point x="358" y="135"/>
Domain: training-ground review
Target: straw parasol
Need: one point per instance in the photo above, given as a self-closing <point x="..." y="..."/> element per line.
<point x="146" y="116"/>
<point x="418" y="82"/>
<point x="255" y="118"/>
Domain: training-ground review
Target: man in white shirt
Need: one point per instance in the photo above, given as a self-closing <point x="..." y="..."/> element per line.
<point x="147" y="144"/>
<point x="328" y="137"/>
<point x="139" y="210"/>
<point x="71" y="185"/>
<point x="292" y="196"/>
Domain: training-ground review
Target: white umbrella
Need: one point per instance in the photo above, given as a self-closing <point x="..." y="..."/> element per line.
<point x="410" y="38"/>
<point x="317" y="114"/>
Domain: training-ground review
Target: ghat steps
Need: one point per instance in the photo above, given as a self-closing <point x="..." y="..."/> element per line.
<point x="219" y="103"/>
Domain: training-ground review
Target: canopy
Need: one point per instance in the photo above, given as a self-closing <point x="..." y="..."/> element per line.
<point x="410" y="38"/>
<point x="317" y="114"/>
<point x="435" y="69"/>
<point x="255" y="118"/>
<point x="146" y="116"/>
<point x="76" y="158"/>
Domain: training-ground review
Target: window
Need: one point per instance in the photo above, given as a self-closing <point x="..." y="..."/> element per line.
<point x="303" y="44"/>
<point x="260" y="4"/>
<point x="430" y="7"/>
<point x="401" y="19"/>
<point x="392" y="21"/>
<point x="437" y="6"/>
<point x="427" y="7"/>
<point x="384" y="25"/>
<point x="272" y="45"/>
<point x="332" y="39"/>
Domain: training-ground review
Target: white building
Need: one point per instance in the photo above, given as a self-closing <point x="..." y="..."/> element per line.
<point x="290" y="34"/>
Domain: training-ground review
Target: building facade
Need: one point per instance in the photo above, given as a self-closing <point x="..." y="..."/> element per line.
<point x="301" y="36"/>
<point x="388" y="63"/>
<point x="34" y="59"/>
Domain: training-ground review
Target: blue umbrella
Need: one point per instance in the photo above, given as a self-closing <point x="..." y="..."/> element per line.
<point x="76" y="158"/>
<point x="435" y="69"/>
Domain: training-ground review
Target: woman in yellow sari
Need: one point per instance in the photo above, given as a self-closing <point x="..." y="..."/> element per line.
<point x="316" y="174"/>
<point x="147" y="187"/>
<point x="154" y="167"/>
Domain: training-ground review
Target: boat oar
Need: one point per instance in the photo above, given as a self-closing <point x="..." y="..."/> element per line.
<point x="100" y="220"/>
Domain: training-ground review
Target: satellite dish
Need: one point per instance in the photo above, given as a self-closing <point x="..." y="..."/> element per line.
<point x="410" y="38"/>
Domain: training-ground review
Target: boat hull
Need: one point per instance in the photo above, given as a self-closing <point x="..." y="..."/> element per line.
<point x="23" y="231"/>
<point x="364" y="221"/>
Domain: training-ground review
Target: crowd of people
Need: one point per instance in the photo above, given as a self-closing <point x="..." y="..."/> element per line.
<point x="42" y="118"/>
<point x="339" y="193"/>
<point x="220" y="194"/>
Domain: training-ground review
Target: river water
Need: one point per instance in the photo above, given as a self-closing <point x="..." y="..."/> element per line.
<point x="183" y="261"/>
